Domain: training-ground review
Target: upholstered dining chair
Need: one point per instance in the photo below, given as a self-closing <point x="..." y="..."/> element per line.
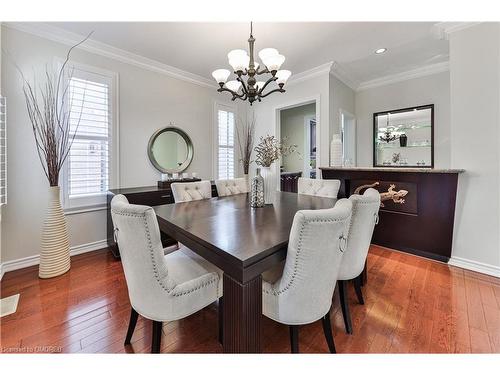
<point x="364" y="217"/>
<point x="161" y="287"/>
<point x="191" y="191"/>
<point x="301" y="291"/>
<point x="231" y="187"/>
<point x="318" y="187"/>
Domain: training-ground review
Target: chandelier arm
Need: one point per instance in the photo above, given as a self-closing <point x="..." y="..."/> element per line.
<point x="270" y="92"/>
<point x="267" y="83"/>
<point x="245" y="91"/>
<point x="235" y="94"/>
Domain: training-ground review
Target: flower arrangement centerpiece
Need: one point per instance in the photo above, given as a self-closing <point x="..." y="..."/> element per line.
<point x="267" y="152"/>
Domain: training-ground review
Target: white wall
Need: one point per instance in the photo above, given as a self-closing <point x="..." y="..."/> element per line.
<point x="341" y="97"/>
<point x="433" y="89"/>
<point x="475" y="145"/>
<point x="148" y="101"/>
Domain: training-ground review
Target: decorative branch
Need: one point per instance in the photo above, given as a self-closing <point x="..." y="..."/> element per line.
<point x="50" y="119"/>
<point x="246" y="141"/>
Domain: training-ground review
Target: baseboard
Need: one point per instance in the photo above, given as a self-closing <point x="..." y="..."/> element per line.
<point x="33" y="260"/>
<point x="475" y="266"/>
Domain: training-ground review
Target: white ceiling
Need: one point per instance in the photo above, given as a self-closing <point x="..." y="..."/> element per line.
<point x="200" y="48"/>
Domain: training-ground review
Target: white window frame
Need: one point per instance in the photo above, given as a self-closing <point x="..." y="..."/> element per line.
<point x="97" y="201"/>
<point x="228" y="108"/>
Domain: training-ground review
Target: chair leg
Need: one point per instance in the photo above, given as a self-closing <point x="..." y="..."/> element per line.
<point x="344" y="304"/>
<point x="220" y="311"/>
<point x="358" y="282"/>
<point x="131" y="326"/>
<point x="155" y="344"/>
<point x="327" y="329"/>
<point x="294" y="338"/>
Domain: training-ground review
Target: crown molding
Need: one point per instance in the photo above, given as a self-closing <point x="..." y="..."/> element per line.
<point x="343" y="76"/>
<point x="442" y="30"/>
<point x="68" y="38"/>
<point x="404" y="76"/>
<point x="311" y="73"/>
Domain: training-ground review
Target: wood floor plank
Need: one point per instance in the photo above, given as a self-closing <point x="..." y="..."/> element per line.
<point x="412" y="305"/>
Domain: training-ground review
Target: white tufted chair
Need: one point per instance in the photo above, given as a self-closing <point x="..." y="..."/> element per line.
<point x="191" y="191"/>
<point x="161" y="287"/>
<point x="318" y="187"/>
<point x="231" y="187"/>
<point x="302" y="291"/>
<point x="364" y="217"/>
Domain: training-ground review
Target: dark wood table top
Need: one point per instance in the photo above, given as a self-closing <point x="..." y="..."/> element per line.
<point x="230" y="228"/>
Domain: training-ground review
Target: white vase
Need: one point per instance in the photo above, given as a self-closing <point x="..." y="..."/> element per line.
<point x="269" y="184"/>
<point x="336" y="151"/>
<point x="54" y="256"/>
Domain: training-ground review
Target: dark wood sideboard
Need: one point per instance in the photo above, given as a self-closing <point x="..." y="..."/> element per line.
<point x="418" y="206"/>
<point x="289" y="181"/>
<point x="147" y="196"/>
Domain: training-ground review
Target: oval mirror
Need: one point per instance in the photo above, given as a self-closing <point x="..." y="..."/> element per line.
<point x="170" y="150"/>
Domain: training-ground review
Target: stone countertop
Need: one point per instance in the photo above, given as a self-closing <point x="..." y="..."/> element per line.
<point x="389" y="169"/>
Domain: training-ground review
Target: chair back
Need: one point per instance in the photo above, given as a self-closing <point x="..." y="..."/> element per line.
<point x="191" y="191"/>
<point x="364" y="217"/>
<point x="315" y="250"/>
<point x="138" y="236"/>
<point x="231" y="187"/>
<point x="318" y="187"/>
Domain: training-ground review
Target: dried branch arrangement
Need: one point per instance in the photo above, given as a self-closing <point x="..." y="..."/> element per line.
<point x="49" y="112"/>
<point x="246" y="138"/>
<point x="270" y="149"/>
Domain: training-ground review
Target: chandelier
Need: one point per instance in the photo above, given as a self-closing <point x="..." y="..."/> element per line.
<point x="245" y="65"/>
<point x="388" y="136"/>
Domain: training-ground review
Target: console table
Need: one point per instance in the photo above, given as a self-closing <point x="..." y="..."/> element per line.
<point x="417" y="206"/>
<point x="147" y="196"/>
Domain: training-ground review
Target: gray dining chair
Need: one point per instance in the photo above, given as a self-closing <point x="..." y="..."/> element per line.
<point x="191" y="191"/>
<point x="318" y="187"/>
<point x="364" y="217"/>
<point x="232" y="186"/>
<point x="301" y="291"/>
<point x="161" y="287"/>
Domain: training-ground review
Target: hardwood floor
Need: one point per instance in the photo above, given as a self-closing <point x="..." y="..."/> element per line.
<point x="412" y="305"/>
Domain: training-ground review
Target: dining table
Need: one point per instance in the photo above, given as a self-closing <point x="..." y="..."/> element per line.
<point x="243" y="242"/>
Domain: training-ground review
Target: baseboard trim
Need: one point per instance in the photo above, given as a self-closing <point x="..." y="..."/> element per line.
<point x="475" y="266"/>
<point x="33" y="260"/>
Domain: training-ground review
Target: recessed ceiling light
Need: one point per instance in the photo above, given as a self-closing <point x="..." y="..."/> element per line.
<point x="380" y="50"/>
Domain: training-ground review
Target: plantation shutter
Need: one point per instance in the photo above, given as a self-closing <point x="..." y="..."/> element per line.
<point x="91" y="122"/>
<point x="3" y="151"/>
<point x="225" y="154"/>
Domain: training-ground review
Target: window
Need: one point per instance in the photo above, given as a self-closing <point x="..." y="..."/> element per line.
<point x="89" y="166"/>
<point x="225" y="143"/>
<point x="3" y="151"/>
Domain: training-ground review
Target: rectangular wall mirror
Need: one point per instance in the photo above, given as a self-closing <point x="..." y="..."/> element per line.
<point x="404" y="138"/>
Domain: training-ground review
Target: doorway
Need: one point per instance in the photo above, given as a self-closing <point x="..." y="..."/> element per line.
<point x="298" y="126"/>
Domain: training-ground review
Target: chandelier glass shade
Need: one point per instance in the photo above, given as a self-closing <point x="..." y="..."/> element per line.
<point x="244" y="64"/>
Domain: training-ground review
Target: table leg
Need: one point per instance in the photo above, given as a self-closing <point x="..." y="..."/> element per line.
<point x="242" y="315"/>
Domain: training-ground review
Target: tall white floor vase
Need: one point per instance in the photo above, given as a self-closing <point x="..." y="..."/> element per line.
<point x="269" y="184"/>
<point x="54" y="257"/>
